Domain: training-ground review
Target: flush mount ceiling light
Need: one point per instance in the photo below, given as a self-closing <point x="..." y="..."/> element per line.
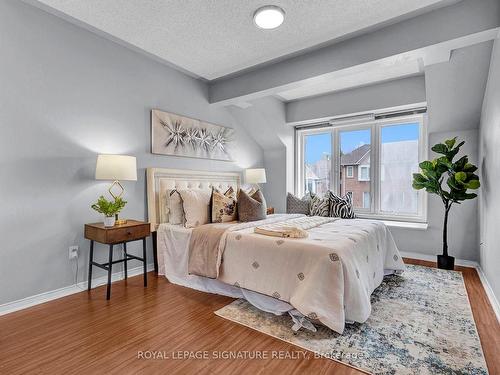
<point x="269" y="17"/>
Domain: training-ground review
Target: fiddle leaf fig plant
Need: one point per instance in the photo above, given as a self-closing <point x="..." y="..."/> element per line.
<point x="450" y="179"/>
<point x="109" y="208"/>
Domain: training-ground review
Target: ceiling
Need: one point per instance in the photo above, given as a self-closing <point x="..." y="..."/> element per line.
<point x="215" y="38"/>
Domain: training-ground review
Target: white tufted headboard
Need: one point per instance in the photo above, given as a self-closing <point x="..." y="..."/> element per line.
<point x="160" y="180"/>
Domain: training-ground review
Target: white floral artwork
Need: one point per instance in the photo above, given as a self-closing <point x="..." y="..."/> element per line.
<point x="177" y="135"/>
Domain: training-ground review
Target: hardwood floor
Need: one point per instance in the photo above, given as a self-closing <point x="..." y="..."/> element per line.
<point x="84" y="333"/>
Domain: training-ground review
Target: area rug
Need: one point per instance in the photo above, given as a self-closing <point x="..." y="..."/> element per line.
<point x="421" y="323"/>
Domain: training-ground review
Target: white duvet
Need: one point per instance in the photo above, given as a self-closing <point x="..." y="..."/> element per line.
<point x="328" y="276"/>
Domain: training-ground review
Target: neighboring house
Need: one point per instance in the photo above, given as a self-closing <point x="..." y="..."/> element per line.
<point x="355" y="175"/>
<point x="318" y="175"/>
<point x="311" y="180"/>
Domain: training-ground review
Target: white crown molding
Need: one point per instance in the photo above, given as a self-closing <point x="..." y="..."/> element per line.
<point x="465" y="263"/>
<point x="37" y="299"/>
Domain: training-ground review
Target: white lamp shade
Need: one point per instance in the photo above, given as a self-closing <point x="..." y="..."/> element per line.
<point x="255" y="176"/>
<point x="116" y="167"/>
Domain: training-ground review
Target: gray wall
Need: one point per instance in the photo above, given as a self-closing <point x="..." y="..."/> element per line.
<point x="265" y="121"/>
<point x="65" y="96"/>
<point x="454" y="92"/>
<point x="490" y="175"/>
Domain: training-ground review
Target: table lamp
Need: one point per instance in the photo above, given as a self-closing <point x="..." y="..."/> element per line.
<point x="116" y="168"/>
<point x="255" y="176"/>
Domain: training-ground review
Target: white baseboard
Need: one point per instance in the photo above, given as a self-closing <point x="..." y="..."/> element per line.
<point x="24" y="303"/>
<point x="432" y="258"/>
<point x="489" y="292"/>
<point x="466" y="263"/>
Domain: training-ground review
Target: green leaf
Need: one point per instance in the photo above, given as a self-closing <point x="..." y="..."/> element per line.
<point x="440" y="148"/>
<point x="473" y="184"/>
<point x="470" y="196"/>
<point x="450" y="142"/>
<point x="426" y="165"/>
<point x="417" y="177"/>
<point x="417" y="185"/>
<point x="460" y="163"/>
<point x="468" y="167"/>
<point x="453" y="184"/>
<point x="460" y="177"/>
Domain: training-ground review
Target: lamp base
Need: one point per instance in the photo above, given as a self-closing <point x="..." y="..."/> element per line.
<point x="119" y="221"/>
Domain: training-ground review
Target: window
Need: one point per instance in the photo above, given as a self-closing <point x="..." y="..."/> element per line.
<point x="317" y="164"/>
<point x="355" y="153"/>
<point x="399" y="159"/>
<point x="364" y="173"/>
<point x="366" y="199"/>
<point x="374" y="160"/>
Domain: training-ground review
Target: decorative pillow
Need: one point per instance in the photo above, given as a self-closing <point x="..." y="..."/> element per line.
<point x="251" y="207"/>
<point x="174" y="211"/>
<point x="319" y="206"/>
<point x="223" y="206"/>
<point x="196" y="205"/>
<point x="341" y="206"/>
<point x="295" y="205"/>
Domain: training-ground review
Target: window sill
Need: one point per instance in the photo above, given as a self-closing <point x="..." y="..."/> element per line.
<point x="405" y="224"/>
<point x="397" y="224"/>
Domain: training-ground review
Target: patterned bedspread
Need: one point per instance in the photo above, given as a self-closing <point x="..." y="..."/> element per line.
<point x="328" y="276"/>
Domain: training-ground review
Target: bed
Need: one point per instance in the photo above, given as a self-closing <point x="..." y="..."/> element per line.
<point x="327" y="277"/>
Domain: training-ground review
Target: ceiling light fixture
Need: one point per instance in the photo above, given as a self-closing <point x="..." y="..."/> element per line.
<point x="269" y="17"/>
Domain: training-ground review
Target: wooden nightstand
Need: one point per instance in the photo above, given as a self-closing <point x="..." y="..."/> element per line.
<point x="270" y="210"/>
<point x="133" y="230"/>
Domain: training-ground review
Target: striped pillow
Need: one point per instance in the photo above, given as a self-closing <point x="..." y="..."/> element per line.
<point x="319" y="206"/>
<point x="341" y="206"/>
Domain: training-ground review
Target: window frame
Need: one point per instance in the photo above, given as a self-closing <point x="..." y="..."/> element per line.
<point x="299" y="157"/>
<point x="351" y="168"/>
<point x="375" y="126"/>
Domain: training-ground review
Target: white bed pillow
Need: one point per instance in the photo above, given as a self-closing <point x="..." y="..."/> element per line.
<point x="174" y="211"/>
<point x="196" y="205"/>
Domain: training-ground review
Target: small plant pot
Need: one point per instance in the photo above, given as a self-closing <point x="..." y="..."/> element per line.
<point x="109" y="221"/>
<point x="445" y="262"/>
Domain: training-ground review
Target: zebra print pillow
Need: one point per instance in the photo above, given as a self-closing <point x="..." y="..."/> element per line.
<point x="319" y="206"/>
<point x="341" y="206"/>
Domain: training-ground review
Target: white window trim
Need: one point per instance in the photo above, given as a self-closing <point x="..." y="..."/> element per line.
<point x="375" y="126"/>
<point x="349" y="168"/>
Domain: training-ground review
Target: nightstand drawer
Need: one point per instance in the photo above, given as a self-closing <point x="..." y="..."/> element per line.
<point x="128" y="233"/>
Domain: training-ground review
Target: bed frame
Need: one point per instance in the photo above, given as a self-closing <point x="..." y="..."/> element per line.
<point x="159" y="180"/>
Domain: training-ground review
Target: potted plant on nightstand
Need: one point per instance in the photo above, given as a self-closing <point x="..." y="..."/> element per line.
<point x="459" y="176"/>
<point x="109" y="209"/>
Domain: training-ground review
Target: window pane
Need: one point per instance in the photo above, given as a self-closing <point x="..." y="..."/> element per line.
<point x="318" y="161"/>
<point x="355" y="155"/>
<point x="398" y="160"/>
<point x="366" y="200"/>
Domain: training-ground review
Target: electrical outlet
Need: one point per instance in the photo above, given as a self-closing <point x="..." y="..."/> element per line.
<point x="73" y="252"/>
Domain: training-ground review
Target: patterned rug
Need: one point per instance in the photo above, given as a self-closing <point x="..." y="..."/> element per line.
<point x="421" y="323"/>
